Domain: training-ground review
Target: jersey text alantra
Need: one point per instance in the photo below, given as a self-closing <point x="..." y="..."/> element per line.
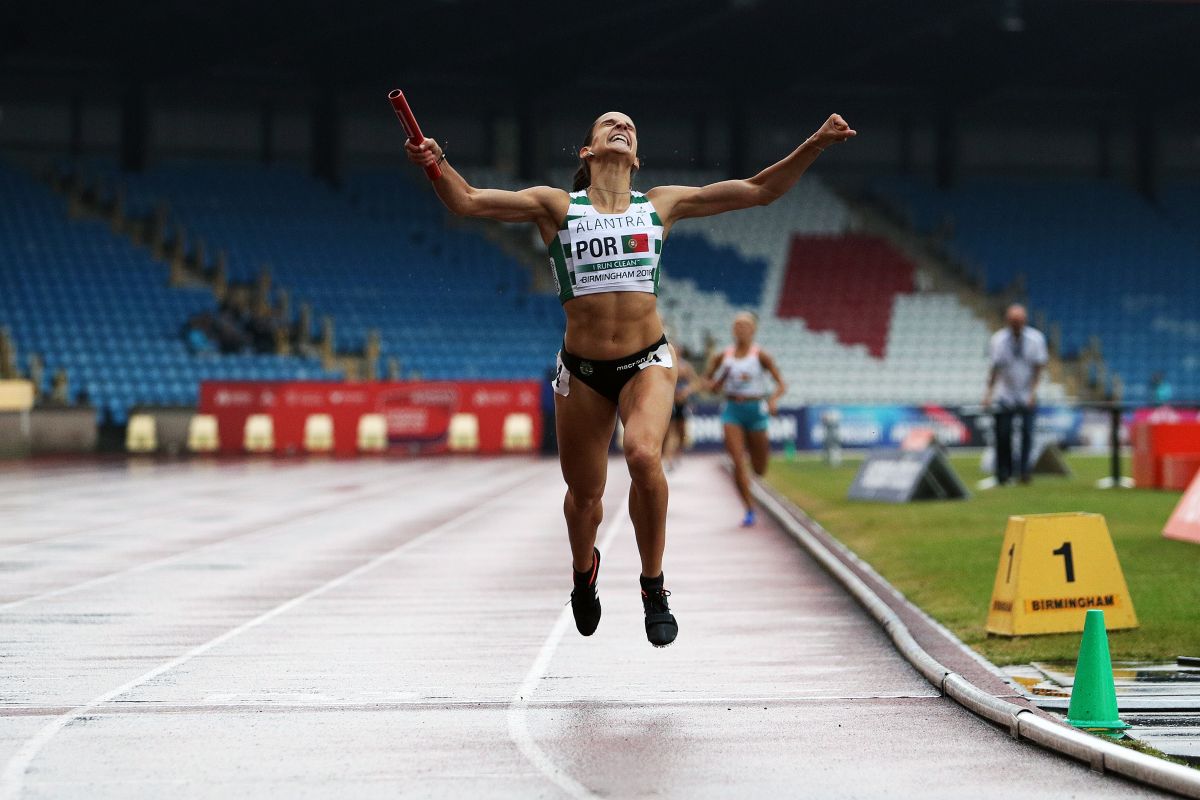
<point x="586" y="224"/>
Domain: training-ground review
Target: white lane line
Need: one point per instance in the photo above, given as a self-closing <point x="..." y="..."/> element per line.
<point x="518" y="731"/>
<point x="186" y="493"/>
<point x="298" y="518"/>
<point x="76" y="533"/>
<point x="157" y="707"/>
<point x="100" y="478"/>
<point x="12" y="781"/>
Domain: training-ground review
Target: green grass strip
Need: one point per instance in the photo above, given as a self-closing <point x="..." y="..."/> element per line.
<point x="943" y="555"/>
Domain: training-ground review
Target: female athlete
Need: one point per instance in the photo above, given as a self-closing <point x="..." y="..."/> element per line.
<point x="604" y="241"/>
<point x="741" y="373"/>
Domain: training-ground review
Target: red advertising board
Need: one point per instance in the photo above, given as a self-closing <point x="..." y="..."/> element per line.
<point x="417" y="413"/>
<point x="1153" y="440"/>
<point x="1179" y="469"/>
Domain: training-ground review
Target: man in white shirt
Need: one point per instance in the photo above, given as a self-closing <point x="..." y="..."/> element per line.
<point x="1017" y="354"/>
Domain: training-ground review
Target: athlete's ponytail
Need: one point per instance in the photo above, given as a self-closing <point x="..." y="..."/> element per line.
<point x="583" y="175"/>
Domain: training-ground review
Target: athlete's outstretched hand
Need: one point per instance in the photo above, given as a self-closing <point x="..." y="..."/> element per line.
<point x="423" y="154"/>
<point x="833" y="131"/>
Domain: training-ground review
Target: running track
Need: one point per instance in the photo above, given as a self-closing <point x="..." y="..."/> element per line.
<point x="365" y="629"/>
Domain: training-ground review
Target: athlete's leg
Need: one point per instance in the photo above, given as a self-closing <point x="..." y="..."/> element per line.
<point x="1003" y="430"/>
<point x="759" y="446"/>
<point x="584" y="421"/>
<point x="646" y="412"/>
<point x="671" y="442"/>
<point x="735" y="445"/>
<point x="1027" y="429"/>
<point x="679" y="426"/>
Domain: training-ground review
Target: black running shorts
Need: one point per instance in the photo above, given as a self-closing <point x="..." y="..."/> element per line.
<point x="608" y="378"/>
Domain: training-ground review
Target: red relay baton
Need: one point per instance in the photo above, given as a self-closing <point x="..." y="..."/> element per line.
<point x="411" y="128"/>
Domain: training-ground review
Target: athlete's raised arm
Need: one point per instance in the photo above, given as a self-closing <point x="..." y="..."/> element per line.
<point x="681" y="202"/>
<point x="542" y="205"/>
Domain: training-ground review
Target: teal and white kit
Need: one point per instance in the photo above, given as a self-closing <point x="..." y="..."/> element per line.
<point x="595" y="253"/>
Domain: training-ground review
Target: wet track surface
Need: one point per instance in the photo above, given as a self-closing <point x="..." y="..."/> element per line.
<point x="383" y="629"/>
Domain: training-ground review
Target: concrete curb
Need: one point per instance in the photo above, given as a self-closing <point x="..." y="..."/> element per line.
<point x="1019" y="720"/>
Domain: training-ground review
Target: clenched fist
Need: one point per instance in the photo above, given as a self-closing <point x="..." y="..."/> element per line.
<point x="424" y="154"/>
<point x="833" y="131"/>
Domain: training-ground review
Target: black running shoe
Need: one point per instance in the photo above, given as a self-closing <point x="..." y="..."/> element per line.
<point x="661" y="627"/>
<point x="585" y="605"/>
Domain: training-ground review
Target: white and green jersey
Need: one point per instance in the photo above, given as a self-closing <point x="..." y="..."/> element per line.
<point x="596" y="252"/>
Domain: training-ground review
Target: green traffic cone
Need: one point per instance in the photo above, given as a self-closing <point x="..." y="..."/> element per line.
<point x="1094" y="695"/>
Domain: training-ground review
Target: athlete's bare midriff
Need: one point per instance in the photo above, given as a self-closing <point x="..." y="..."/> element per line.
<point x="611" y="325"/>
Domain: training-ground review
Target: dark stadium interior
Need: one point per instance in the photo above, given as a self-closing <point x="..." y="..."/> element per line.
<point x="942" y="51"/>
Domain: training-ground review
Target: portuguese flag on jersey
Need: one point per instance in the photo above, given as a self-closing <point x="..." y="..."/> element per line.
<point x="636" y="243"/>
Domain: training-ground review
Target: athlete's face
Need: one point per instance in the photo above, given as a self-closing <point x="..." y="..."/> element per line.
<point x="612" y="134"/>
<point x="743" y="330"/>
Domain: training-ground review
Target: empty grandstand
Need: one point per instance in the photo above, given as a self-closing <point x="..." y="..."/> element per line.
<point x="379" y="256"/>
<point x="85" y="303"/>
<point x="1094" y="257"/>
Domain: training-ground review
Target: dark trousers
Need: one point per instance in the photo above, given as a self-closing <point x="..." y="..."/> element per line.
<point x="1004" y="431"/>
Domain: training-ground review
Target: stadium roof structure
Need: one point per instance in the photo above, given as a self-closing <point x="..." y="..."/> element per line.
<point x="955" y="52"/>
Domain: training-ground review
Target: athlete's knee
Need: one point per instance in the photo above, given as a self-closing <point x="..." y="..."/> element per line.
<point x="582" y="499"/>
<point x="644" y="459"/>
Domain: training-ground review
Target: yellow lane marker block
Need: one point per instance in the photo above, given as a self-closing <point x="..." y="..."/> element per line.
<point x="1053" y="568"/>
